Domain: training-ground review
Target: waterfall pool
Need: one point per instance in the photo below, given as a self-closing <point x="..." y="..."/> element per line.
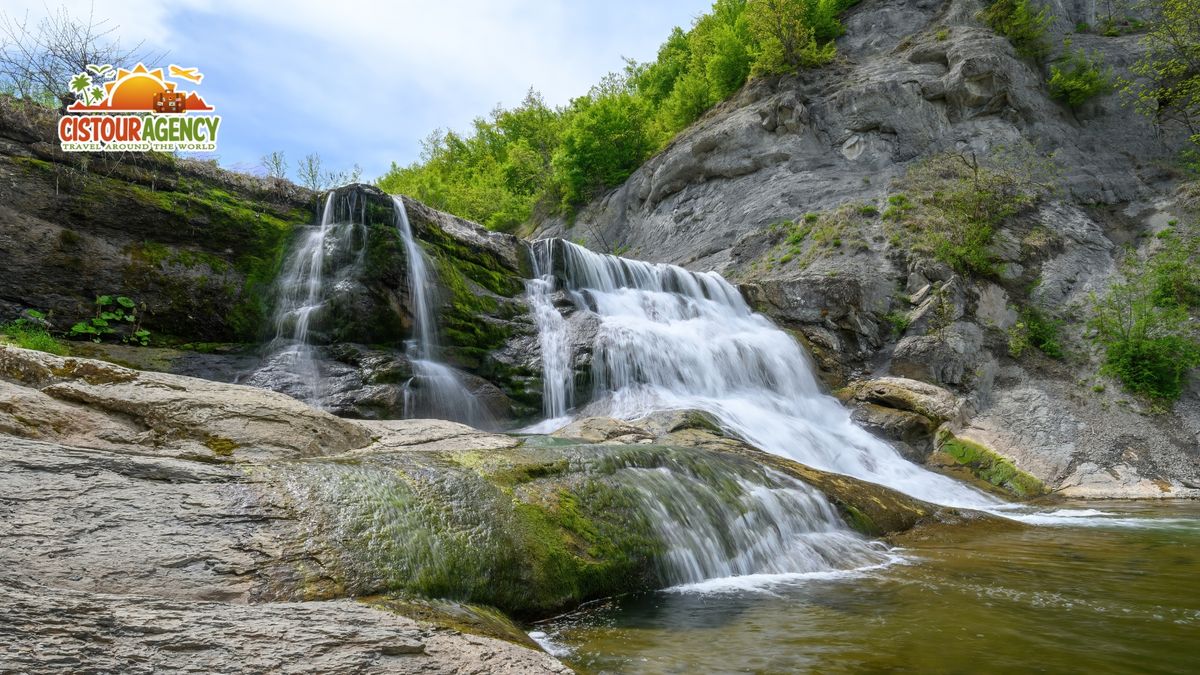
<point x="1117" y="592"/>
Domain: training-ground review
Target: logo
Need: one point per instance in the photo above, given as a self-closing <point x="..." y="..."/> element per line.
<point x="137" y="110"/>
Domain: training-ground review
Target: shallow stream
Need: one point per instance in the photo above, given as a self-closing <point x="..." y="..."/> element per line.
<point x="1116" y="592"/>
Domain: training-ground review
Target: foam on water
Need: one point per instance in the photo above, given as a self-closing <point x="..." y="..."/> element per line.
<point x="674" y="339"/>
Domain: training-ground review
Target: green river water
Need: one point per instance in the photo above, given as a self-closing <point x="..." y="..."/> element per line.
<point x="1115" y="593"/>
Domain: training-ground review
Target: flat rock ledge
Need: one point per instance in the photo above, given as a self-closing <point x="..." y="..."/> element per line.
<point x="139" y="538"/>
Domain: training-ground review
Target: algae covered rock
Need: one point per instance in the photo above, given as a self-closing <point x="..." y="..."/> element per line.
<point x="198" y="247"/>
<point x="989" y="467"/>
<point x="871" y="509"/>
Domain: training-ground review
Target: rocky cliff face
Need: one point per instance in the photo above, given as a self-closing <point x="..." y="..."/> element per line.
<point x="197" y="247"/>
<point x="200" y="250"/>
<point x="816" y="157"/>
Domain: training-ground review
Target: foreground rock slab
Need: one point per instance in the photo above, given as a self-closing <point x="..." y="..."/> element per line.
<point x="52" y="631"/>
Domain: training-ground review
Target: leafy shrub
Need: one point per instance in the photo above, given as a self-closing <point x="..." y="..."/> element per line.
<point x="1035" y="329"/>
<point x="958" y="202"/>
<point x="1025" y="29"/>
<point x="116" y="316"/>
<point x="1078" y="78"/>
<point x="1018" y="339"/>
<point x="900" y="322"/>
<point x="1149" y="345"/>
<point x="1174" y="272"/>
<point x="29" y="334"/>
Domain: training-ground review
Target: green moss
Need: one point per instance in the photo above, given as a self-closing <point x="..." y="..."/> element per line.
<point x="230" y="233"/>
<point x="468" y="311"/>
<point x="858" y="520"/>
<point x="28" y="335"/>
<point x="529" y="542"/>
<point x="990" y="467"/>
<point x="528" y="472"/>
<point x="477" y="264"/>
<point x="92" y="372"/>
<point x="221" y="447"/>
<point x="33" y="164"/>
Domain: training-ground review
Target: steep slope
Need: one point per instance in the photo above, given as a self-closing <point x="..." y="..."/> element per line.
<point x="782" y="188"/>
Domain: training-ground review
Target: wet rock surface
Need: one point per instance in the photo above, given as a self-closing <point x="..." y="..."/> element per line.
<point x="135" y="543"/>
<point x="156" y="522"/>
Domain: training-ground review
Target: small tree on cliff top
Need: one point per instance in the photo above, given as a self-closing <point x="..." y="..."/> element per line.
<point x="1167" y="87"/>
<point x="38" y="60"/>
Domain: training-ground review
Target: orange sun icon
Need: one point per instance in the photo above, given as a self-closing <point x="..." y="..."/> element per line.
<point x="134" y="90"/>
<point x="144" y="90"/>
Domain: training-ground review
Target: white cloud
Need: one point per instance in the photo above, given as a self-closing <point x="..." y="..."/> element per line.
<point x="365" y="81"/>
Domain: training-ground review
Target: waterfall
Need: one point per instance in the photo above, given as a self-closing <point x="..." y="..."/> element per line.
<point x="328" y="259"/>
<point x="435" y="389"/>
<point x="328" y="253"/>
<point x="763" y="529"/>
<point x="674" y="339"/>
<point x="555" y="342"/>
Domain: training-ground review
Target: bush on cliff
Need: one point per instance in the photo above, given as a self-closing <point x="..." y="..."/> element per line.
<point x="957" y="202"/>
<point x="1078" y="78"/>
<point x="1144" y="326"/>
<point x="1024" y="27"/>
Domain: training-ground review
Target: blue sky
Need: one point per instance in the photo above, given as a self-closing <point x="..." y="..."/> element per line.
<point x="365" y="82"/>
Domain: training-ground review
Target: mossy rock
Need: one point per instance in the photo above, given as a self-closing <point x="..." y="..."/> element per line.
<point x="458" y="616"/>
<point x="989" y="467"/>
<point x="873" y="510"/>
<point x="513" y="529"/>
<point x="535" y="529"/>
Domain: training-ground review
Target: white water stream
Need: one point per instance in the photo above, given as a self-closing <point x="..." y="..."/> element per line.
<point x="674" y="339"/>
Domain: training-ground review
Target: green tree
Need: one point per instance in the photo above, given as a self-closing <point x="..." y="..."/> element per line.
<point x="534" y="157"/>
<point x="604" y="139"/>
<point x="1167" y="87"/>
<point x="1024" y="28"/>
<point x="786" y="36"/>
<point x="1079" y="77"/>
<point x="729" y="64"/>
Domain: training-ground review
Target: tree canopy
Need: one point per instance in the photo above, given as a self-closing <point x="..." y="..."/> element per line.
<point x="533" y="156"/>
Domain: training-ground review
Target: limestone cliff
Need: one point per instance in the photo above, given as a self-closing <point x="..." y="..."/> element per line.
<point x="786" y="186"/>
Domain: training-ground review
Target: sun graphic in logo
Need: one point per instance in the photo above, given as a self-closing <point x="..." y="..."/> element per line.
<point x="135" y="89"/>
<point x="143" y="90"/>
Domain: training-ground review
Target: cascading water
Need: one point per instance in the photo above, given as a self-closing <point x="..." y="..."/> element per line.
<point x="555" y="342"/>
<point x="767" y="527"/>
<point x="329" y="253"/>
<point x="329" y="260"/>
<point x="435" y="389"/>
<point x="674" y="339"/>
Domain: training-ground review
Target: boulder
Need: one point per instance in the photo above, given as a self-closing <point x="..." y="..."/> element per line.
<point x="163" y="414"/>
<point x="934" y="403"/>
